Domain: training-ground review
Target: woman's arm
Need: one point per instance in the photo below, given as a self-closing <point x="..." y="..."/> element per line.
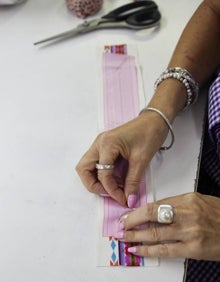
<point x="198" y="51"/>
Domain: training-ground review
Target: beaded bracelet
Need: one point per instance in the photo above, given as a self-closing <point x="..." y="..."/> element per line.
<point x="181" y="74"/>
<point x="163" y="148"/>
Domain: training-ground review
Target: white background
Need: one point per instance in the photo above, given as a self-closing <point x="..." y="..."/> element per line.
<point x="48" y="119"/>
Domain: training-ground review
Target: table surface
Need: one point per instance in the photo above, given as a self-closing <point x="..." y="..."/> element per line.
<point x="48" y="119"/>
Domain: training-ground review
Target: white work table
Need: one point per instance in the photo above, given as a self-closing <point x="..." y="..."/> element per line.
<point x="48" y="119"/>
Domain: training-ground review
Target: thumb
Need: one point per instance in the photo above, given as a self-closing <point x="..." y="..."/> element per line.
<point x="132" y="183"/>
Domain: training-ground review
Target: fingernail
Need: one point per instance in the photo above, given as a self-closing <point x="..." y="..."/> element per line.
<point x="104" y="195"/>
<point x="123" y="217"/>
<point x="132" y="250"/>
<point x="119" y="235"/>
<point x="132" y="200"/>
<point x="121" y="225"/>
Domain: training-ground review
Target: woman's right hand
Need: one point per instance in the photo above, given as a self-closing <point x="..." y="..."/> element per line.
<point x="136" y="142"/>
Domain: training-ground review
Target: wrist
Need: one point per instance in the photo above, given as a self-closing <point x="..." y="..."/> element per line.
<point x="166" y="121"/>
<point x="176" y="90"/>
<point x="170" y="98"/>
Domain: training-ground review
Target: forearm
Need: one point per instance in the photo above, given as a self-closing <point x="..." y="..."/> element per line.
<point x="198" y="51"/>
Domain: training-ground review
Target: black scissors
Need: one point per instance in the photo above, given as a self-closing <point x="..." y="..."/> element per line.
<point x="137" y="15"/>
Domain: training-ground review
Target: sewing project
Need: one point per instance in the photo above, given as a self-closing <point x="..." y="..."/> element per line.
<point x="122" y="98"/>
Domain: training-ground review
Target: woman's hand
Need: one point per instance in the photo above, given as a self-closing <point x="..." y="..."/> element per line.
<point x="135" y="142"/>
<point x="194" y="233"/>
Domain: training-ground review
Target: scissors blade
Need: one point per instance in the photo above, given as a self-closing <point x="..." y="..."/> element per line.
<point x="67" y="34"/>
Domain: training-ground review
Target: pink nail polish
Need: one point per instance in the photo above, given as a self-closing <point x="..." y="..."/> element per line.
<point x="132" y="200"/>
<point x="104" y="195"/>
<point x="132" y="250"/>
<point x="121" y="225"/>
<point x="119" y="235"/>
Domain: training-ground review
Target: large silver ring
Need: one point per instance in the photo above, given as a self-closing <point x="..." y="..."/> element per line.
<point x="165" y="214"/>
<point x="104" y="166"/>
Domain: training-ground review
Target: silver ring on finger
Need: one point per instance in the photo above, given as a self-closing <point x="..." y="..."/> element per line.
<point x="165" y="214"/>
<point x="104" y="166"/>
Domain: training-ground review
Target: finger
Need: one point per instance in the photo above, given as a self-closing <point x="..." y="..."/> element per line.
<point x="90" y="181"/>
<point x="132" y="183"/>
<point x="168" y="250"/>
<point x="86" y="169"/>
<point x="87" y="172"/>
<point x="152" y="234"/>
<point x="111" y="183"/>
<point x="147" y="213"/>
<point x="140" y="216"/>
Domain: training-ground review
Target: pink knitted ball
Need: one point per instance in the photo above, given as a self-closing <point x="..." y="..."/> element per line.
<point x="84" y="8"/>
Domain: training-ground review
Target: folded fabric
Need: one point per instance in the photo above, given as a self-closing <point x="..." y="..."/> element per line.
<point x="121" y="104"/>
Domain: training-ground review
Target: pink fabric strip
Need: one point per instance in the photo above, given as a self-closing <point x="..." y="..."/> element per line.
<point x="121" y="104"/>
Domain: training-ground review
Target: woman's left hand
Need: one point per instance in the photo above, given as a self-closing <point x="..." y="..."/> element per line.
<point x="194" y="232"/>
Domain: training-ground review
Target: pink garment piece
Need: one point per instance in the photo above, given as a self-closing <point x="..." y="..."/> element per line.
<point x="120" y="89"/>
<point x="121" y="104"/>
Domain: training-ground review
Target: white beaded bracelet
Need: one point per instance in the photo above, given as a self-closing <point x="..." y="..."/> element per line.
<point x="181" y="74"/>
<point x="163" y="148"/>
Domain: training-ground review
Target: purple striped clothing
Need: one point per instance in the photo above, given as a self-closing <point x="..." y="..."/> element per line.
<point x="199" y="270"/>
<point x="203" y="271"/>
<point x="211" y="161"/>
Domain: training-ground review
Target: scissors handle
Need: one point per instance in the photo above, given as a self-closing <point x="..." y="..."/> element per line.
<point x="140" y="13"/>
<point x="144" y="18"/>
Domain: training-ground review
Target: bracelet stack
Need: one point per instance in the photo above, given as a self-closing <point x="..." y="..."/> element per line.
<point x="192" y="90"/>
<point x="181" y="74"/>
